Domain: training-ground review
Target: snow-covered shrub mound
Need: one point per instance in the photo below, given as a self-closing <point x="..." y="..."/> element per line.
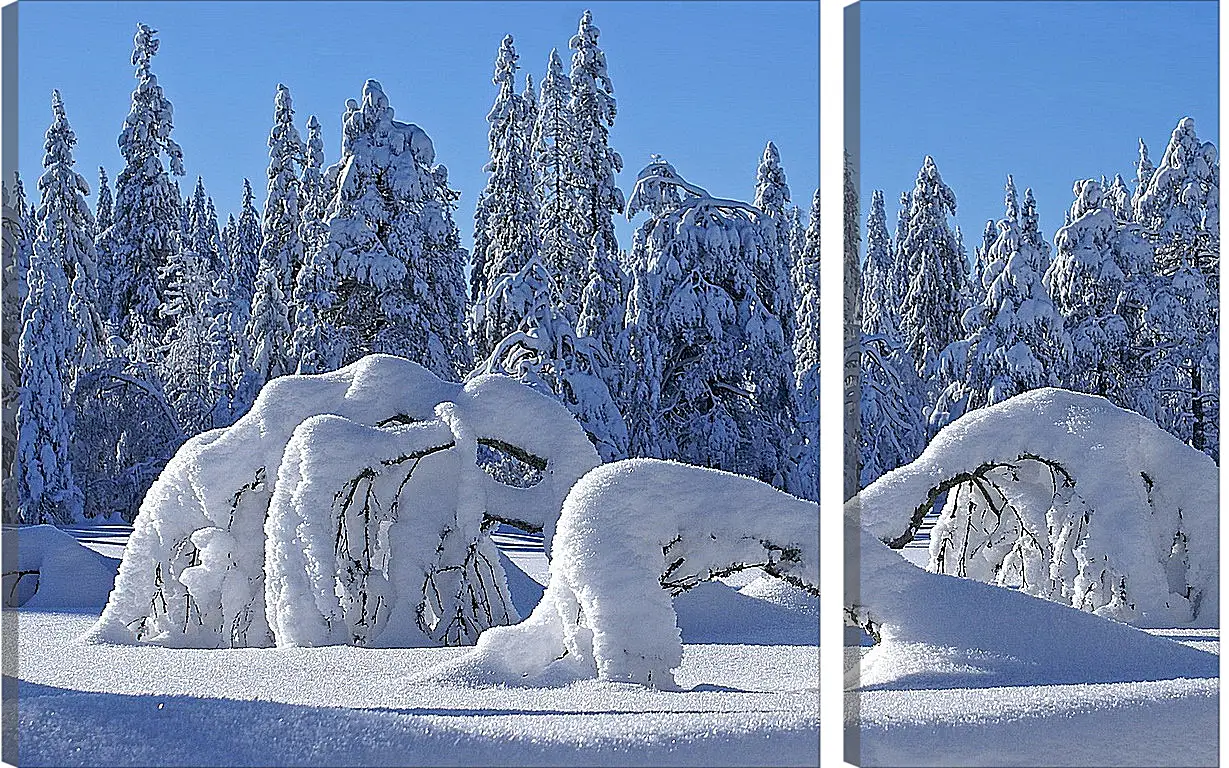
<point x="55" y="571"/>
<point x="1066" y="497"/>
<point x="632" y="535"/>
<point x="346" y="507"/>
<point x="938" y="631"/>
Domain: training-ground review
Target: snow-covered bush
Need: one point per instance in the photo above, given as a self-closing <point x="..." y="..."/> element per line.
<point x="346" y="507"/>
<point x="1067" y="497"/>
<point x="632" y="535"/>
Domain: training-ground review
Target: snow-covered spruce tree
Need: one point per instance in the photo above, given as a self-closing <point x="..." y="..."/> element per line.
<point x="282" y="247"/>
<point x="900" y="266"/>
<point x="930" y="308"/>
<point x="1143" y="176"/>
<point x="1014" y="337"/>
<point x="312" y="282"/>
<point x="555" y="172"/>
<point x="66" y="227"/>
<point x="268" y="331"/>
<point x="804" y="473"/>
<point x="721" y="370"/>
<point x="547" y="354"/>
<point x="244" y="265"/>
<point x="313" y="193"/>
<point x="144" y="236"/>
<point x="194" y="345"/>
<point x="1087" y="281"/>
<point x="18" y="240"/>
<point x="46" y="490"/>
<point x="851" y="239"/>
<point x="890" y="432"/>
<point x="105" y="214"/>
<point x="639" y="393"/>
<point x="593" y="111"/>
<point x="602" y="305"/>
<point x="1119" y="198"/>
<point x="981" y="256"/>
<point x="392" y="246"/>
<point x="510" y="229"/>
<point x="773" y="275"/>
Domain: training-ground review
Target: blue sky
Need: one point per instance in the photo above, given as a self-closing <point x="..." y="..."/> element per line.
<point x="1047" y="91"/>
<point x="704" y="84"/>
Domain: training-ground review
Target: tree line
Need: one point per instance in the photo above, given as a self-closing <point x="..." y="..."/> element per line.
<point x="138" y="323"/>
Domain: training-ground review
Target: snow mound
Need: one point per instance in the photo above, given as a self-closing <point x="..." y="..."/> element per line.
<point x="1067" y="497"/>
<point x="936" y="631"/>
<point x="346" y="507"/>
<point x="632" y="535"/>
<point x="54" y="571"/>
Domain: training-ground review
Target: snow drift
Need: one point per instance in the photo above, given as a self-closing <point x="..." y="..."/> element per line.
<point x="347" y="507"/>
<point x="54" y="571"/>
<point x="1129" y="508"/>
<point x="1066" y="497"/>
<point x="631" y="536"/>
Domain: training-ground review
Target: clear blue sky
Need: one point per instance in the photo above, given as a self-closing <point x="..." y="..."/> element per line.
<point x="704" y="84"/>
<point x="1047" y="91"/>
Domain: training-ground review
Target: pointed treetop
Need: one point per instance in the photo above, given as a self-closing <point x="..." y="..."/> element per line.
<point x="144" y="46"/>
<point x="555" y="64"/>
<point x="247" y="193"/>
<point x="1011" y="204"/>
<point x="505" y="66"/>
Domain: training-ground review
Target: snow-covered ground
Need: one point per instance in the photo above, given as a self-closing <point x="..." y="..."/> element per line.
<point x="750" y="676"/>
<point x="1162" y="723"/>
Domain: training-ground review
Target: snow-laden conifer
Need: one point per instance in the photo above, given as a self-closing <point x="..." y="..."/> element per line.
<point x="313" y="193"/>
<point x="144" y="235"/>
<point x="593" y="110"/>
<point x="546" y="353"/>
<point x="392" y="248"/>
<point x="510" y="228"/>
<point x="1015" y="339"/>
<point x="804" y="476"/>
<point x="244" y="266"/>
<point x="555" y="173"/>
<point x="723" y="375"/>
<point x="46" y="489"/>
<point x="930" y="307"/>
<point x="1143" y="176"/>
<point x="18" y="240"/>
<point x="773" y="275"/>
<point x="282" y="247"/>
<point x="65" y="228"/>
<point x="105" y="215"/>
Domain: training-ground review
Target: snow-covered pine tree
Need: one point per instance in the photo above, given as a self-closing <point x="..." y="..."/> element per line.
<point x="804" y="477"/>
<point x="1087" y="281"/>
<point x="186" y="359"/>
<point x="593" y="111"/>
<point x="511" y="227"/>
<point x="721" y="375"/>
<point x="554" y="161"/>
<point x="313" y="194"/>
<point x="890" y="431"/>
<point x="268" y="331"/>
<point x="1143" y="176"/>
<point x="773" y="276"/>
<point x="46" y="489"/>
<point x="602" y="305"/>
<point x="981" y="256"/>
<point x="1014" y="337"/>
<point x="18" y="240"/>
<point x="105" y="215"/>
<point x="852" y="327"/>
<point x="282" y="249"/>
<point x="66" y="226"/>
<point x="930" y="308"/>
<point x="1119" y="198"/>
<point x="244" y="265"/>
<point x="900" y="267"/>
<point x="392" y="246"/>
<point x="549" y="356"/>
<point x="312" y="289"/>
<point x="1180" y="323"/>
<point x="144" y="235"/>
